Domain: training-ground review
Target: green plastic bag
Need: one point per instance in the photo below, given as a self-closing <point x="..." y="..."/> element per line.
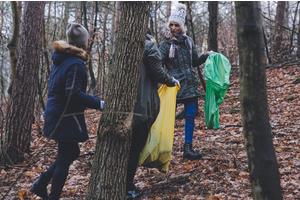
<point x="158" y="148"/>
<point x="217" y="71"/>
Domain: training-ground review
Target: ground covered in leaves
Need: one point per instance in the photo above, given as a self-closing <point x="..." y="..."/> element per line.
<point x="221" y="174"/>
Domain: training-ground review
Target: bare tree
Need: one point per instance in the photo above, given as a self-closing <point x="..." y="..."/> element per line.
<point x="12" y="46"/>
<point x="108" y="177"/>
<point x="213" y="26"/>
<point x="298" y="39"/>
<point x="262" y="163"/>
<point x="19" y="118"/>
<point x="279" y="30"/>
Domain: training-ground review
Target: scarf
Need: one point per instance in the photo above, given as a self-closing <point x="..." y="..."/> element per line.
<point x="175" y="40"/>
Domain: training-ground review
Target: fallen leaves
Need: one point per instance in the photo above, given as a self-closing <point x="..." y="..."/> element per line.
<point x="221" y="174"/>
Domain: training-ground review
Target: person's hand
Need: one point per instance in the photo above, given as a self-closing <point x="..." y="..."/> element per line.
<point x="173" y="83"/>
<point x="208" y="53"/>
<point x="101" y="105"/>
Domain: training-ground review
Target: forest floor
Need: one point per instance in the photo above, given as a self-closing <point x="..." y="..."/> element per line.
<point x="221" y="174"/>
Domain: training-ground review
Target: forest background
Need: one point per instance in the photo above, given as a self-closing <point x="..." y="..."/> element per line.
<point x="207" y="22"/>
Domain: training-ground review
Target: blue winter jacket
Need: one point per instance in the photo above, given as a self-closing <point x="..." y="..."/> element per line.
<point x="67" y="98"/>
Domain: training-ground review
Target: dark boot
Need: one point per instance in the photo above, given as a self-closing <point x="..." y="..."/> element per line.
<point x="40" y="187"/>
<point x="189" y="153"/>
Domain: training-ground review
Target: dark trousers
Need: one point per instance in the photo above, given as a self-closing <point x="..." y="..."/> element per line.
<point x="139" y="138"/>
<point x="58" y="171"/>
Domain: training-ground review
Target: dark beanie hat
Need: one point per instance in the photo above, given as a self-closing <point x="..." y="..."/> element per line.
<point x="77" y="35"/>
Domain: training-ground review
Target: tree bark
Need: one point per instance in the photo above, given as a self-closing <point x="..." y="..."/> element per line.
<point x="189" y="21"/>
<point x="16" y="141"/>
<point x="294" y="24"/>
<point x="169" y="5"/>
<point x="279" y="18"/>
<point x="108" y="176"/>
<point x="2" y="16"/>
<point x="118" y="14"/>
<point x="12" y="46"/>
<point x="262" y="163"/>
<point x="91" y="71"/>
<point x="103" y="45"/>
<point x="298" y="39"/>
<point x="213" y="26"/>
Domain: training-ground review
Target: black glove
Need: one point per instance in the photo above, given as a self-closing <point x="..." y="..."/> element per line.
<point x="173" y="82"/>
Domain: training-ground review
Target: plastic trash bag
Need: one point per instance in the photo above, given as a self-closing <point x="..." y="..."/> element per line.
<point x="217" y="71"/>
<point x="158" y="149"/>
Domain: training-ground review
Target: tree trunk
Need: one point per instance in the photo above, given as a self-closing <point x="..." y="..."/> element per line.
<point x="2" y="16"/>
<point x="213" y="26"/>
<point x="155" y="23"/>
<point x="118" y="14"/>
<point x="91" y="71"/>
<point x="108" y="176"/>
<point x="294" y="24"/>
<point x="169" y="5"/>
<point x="262" y="163"/>
<point x="298" y="39"/>
<point x="189" y="21"/>
<point x="16" y="141"/>
<point x="12" y="46"/>
<point x="103" y="44"/>
<point x="279" y="18"/>
<point x="112" y="30"/>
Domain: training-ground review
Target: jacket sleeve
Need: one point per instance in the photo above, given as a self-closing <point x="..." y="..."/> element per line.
<point x="197" y="60"/>
<point x="75" y="83"/>
<point x="153" y="62"/>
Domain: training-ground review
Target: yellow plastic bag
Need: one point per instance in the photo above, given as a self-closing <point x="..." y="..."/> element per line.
<point x="158" y="149"/>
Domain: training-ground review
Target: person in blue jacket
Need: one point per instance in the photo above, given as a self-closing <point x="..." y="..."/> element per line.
<point x="179" y="56"/>
<point x="64" y="114"/>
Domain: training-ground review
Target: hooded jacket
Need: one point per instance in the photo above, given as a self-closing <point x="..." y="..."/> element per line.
<point x="148" y="102"/>
<point x="67" y="98"/>
<point x="181" y="65"/>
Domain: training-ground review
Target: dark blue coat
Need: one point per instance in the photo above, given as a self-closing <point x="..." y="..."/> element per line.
<point x="67" y="98"/>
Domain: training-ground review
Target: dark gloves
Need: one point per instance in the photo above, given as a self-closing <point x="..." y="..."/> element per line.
<point x="173" y="82"/>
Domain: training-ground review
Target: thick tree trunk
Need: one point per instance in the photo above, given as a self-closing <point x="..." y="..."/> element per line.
<point x="262" y="163"/>
<point x="12" y="46"/>
<point x="20" y="114"/>
<point x="108" y="177"/>
<point x="213" y="26"/>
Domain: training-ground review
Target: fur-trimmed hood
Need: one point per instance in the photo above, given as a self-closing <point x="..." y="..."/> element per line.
<point x="65" y="48"/>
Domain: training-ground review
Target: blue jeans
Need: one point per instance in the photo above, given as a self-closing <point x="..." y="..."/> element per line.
<point x="58" y="171"/>
<point x="190" y="106"/>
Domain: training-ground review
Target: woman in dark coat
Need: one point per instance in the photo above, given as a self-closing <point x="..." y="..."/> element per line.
<point x="179" y="56"/>
<point x="64" y="114"/>
<point x="147" y="106"/>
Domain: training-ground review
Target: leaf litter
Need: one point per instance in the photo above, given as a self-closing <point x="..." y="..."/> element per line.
<point x="221" y="174"/>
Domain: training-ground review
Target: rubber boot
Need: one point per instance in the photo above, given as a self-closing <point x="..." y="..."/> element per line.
<point x="189" y="153"/>
<point x="40" y="187"/>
